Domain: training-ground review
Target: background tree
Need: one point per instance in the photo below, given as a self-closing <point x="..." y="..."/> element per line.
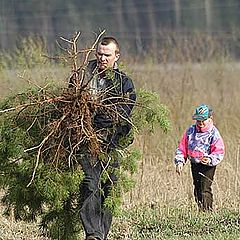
<point x="138" y="24"/>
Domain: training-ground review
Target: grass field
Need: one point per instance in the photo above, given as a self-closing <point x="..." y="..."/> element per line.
<point x="161" y="206"/>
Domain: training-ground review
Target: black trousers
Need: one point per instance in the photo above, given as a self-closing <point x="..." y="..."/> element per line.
<point x="95" y="218"/>
<point x="202" y="180"/>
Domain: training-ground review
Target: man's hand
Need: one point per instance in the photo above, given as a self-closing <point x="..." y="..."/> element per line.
<point x="205" y="160"/>
<point x="179" y="168"/>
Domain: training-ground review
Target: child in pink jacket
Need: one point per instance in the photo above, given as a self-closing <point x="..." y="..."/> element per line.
<point x="203" y="145"/>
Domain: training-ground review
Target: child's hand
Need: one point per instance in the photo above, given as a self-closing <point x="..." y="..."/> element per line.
<point x="205" y="160"/>
<point x="179" y="168"/>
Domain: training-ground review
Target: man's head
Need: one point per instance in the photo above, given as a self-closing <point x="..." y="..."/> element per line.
<point x="107" y="52"/>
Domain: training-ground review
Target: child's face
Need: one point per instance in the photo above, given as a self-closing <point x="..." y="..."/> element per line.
<point x="204" y="123"/>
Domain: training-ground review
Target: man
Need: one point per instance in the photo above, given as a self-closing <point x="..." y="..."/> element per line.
<point x="114" y="90"/>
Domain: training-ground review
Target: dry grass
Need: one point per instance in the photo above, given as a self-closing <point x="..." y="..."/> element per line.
<point x="182" y="88"/>
<point x="17" y="230"/>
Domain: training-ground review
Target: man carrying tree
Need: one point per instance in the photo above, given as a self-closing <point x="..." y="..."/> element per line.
<point x="65" y="148"/>
<point x="115" y="91"/>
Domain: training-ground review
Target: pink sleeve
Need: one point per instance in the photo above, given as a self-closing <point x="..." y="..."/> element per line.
<point x="217" y="151"/>
<point x="217" y="147"/>
<point x="183" y="145"/>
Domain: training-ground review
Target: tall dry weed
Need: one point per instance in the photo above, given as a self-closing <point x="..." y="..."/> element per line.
<point x="182" y="86"/>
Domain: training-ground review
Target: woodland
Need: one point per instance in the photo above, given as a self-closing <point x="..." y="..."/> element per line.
<point x="141" y="26"/>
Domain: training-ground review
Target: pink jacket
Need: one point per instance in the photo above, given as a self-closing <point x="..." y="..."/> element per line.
<point x="196" y="144"/>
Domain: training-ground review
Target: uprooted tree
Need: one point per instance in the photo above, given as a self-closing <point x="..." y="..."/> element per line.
<point x="43" y="128"/>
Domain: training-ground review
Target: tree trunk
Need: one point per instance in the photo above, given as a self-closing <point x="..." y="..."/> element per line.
<point x="177" y="8"/>
<point x="152" y="28"/>
<point x="208" y="12"/>
<point x="137" y="27"/>
<point x="120" y="20"/>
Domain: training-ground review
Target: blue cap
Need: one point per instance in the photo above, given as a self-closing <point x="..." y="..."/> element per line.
<point x="202" y="113"/>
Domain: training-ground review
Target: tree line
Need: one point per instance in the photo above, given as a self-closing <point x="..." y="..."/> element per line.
<point x="140" y="25"/>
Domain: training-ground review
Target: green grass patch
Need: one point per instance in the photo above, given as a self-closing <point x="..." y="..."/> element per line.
<point x="157" y="222"/>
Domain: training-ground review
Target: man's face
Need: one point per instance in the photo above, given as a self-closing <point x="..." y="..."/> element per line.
<point x="106" y="56"/>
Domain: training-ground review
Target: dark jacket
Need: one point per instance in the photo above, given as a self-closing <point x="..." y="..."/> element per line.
<point x="119" y="97"/>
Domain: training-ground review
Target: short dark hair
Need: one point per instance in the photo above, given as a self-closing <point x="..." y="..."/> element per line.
<point x="106" y="40"/>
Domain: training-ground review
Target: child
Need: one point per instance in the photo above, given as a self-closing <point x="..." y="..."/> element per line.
<point x="203" y="145"/>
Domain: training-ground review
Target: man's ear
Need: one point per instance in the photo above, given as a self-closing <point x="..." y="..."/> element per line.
<point x="117" y="56"/>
